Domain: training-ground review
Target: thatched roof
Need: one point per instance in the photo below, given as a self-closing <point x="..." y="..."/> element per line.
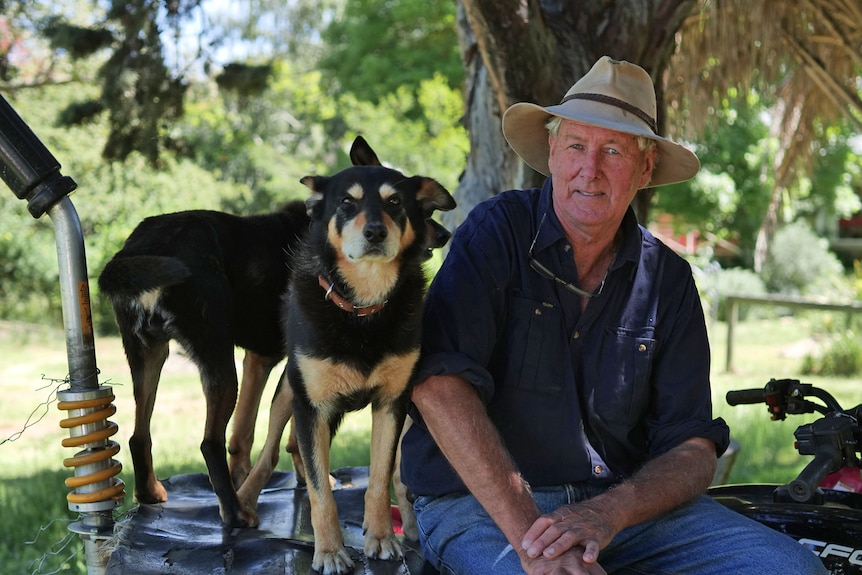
<point x="808" y="51"/>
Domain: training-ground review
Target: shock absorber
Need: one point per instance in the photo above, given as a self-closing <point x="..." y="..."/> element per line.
<point x="96" y="485"/>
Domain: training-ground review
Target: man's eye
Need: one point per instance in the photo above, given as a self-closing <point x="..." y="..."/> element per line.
<point x="613" y="151"/>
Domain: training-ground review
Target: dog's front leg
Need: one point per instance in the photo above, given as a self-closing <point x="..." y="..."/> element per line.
<point x="380" y="540"/>
<point x="313" y="434"/>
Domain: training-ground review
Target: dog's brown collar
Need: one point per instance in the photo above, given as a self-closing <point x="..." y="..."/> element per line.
<point x="342" y="303"/>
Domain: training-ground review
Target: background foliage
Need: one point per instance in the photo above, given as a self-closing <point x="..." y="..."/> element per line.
<point x="251" y="95"/>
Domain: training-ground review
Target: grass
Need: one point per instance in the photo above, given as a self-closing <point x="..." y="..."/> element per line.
<point x="32" y="493"/>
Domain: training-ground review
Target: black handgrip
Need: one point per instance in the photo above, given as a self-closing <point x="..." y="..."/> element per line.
<point x="746" y="396"/>
<point x="26" y="165"/>
<point x="826" y="460"/>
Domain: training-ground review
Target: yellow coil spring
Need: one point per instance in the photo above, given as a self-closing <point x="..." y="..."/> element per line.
<point x="100" y="409"/>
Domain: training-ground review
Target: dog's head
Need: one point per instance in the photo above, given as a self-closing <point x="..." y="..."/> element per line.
<point x="376" y="214"/>
<point x="436" y="236"/>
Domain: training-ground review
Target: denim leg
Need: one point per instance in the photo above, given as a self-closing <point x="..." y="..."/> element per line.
<point x="703" y="538"/>
<point x="706" y="538"/>
<point x="459" y="538"/>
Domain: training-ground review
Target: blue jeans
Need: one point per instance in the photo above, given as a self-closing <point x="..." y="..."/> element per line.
<point x="702" y="538"/>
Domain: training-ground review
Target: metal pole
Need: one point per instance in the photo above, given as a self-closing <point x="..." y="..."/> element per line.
<point x="75" y="295"/>
<point x="33" y="174"/>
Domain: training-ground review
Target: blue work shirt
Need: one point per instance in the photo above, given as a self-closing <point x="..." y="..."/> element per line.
<point x="626" y="380"/>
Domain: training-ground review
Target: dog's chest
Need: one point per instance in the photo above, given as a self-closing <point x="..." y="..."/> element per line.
<point x="327" y="381"/>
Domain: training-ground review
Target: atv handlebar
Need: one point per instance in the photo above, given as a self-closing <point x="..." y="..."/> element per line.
<point x="26" y="165"/>
<point x="833" y="439"/>
<point x="746" y="396"/>
<point x="827" y="460"/>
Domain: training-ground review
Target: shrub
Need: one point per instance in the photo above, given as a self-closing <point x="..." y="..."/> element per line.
<point x="721" y="282"/>
<point x="840" y="355"/>
<point x="800" y="262"/>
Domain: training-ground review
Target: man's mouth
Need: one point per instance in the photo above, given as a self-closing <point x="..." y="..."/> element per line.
<point x="589" y="194"/>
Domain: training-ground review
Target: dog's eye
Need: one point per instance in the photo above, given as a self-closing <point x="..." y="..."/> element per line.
<point x="348" y="200"/>
<point x="394" y="201"/>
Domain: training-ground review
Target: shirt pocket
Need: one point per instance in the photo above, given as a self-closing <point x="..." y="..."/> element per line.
<point x="535" y="355"/>
<point x="622" y="385"/>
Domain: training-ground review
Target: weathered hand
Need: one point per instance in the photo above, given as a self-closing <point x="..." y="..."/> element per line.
<point x="586" y="525"/>
<point x="570" y="562"/>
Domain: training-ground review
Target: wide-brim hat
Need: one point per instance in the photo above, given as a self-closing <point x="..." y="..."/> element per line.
<point x="614" y="94"/>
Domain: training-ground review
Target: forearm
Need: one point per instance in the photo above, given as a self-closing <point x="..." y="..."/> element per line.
<point x="458" y="422"/>
<point x="665" y="483"/>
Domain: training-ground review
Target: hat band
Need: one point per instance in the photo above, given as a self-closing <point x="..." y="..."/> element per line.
<point x="610" y="100"/>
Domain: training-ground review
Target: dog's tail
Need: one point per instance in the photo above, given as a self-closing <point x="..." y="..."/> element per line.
<point x="129" y="277"/>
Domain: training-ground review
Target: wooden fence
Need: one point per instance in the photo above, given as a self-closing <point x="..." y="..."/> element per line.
<point x="734" y="301"/>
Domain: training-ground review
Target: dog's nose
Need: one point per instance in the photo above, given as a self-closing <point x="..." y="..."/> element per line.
<point x="374" y="233"/>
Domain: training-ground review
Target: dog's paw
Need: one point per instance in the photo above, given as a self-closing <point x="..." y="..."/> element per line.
<point x="408" y="520"/>
<point x="332" y="563"/>
<point x="245" y="517"/>
<point x="248" y="517"/>
<point x="387" y="547"/>
<point x="151" y="493"/>
<point x="410" y="530"/>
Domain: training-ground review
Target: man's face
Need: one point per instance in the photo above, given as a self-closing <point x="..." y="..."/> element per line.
<point x="596" y="173"/>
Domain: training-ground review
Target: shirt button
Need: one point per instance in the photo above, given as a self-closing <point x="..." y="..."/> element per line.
<point x="537" y="311"/>
<point x="598" y="469"/>
<point x="641" y="348"/>
<point x="576" y="335"/>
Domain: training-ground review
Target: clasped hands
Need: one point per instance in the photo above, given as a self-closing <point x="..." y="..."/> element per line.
<point x="568" y="540"/>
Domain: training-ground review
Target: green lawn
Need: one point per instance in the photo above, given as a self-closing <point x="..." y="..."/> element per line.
<point x="33" y="359"/>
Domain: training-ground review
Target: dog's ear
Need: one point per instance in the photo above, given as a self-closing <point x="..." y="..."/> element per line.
<point x="361" y="153"/>
<point x="432" y="196"/>
<point x="314" y="202"/>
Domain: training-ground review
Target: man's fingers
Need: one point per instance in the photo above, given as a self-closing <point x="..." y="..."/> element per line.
<point x="560" y="545"/>
<point x="532" y="542"/>
<point x="591" y="551"/>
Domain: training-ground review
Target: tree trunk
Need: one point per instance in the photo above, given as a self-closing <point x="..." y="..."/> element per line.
<point x="534" y="50"/>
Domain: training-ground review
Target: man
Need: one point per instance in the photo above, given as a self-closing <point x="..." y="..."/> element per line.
<point x="564" y="419"/>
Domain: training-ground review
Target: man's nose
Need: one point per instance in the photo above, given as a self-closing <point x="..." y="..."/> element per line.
<point x="589" y="164"/>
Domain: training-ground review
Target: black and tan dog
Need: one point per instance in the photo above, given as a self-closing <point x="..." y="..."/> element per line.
<point x="210" y="281"/>
<point x="352" y="317"/>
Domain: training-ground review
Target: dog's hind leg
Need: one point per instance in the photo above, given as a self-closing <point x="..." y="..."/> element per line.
<point x="280" y="412"/>
<point x="408" y="516"/>
<point x="255" y="371"/>
<point x="220" y="390"/>
<point x="145" y="362"/>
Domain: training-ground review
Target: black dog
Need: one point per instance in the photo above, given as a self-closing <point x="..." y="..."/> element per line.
<point x="210" y="281"/>
<point x="352" y="318"/>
